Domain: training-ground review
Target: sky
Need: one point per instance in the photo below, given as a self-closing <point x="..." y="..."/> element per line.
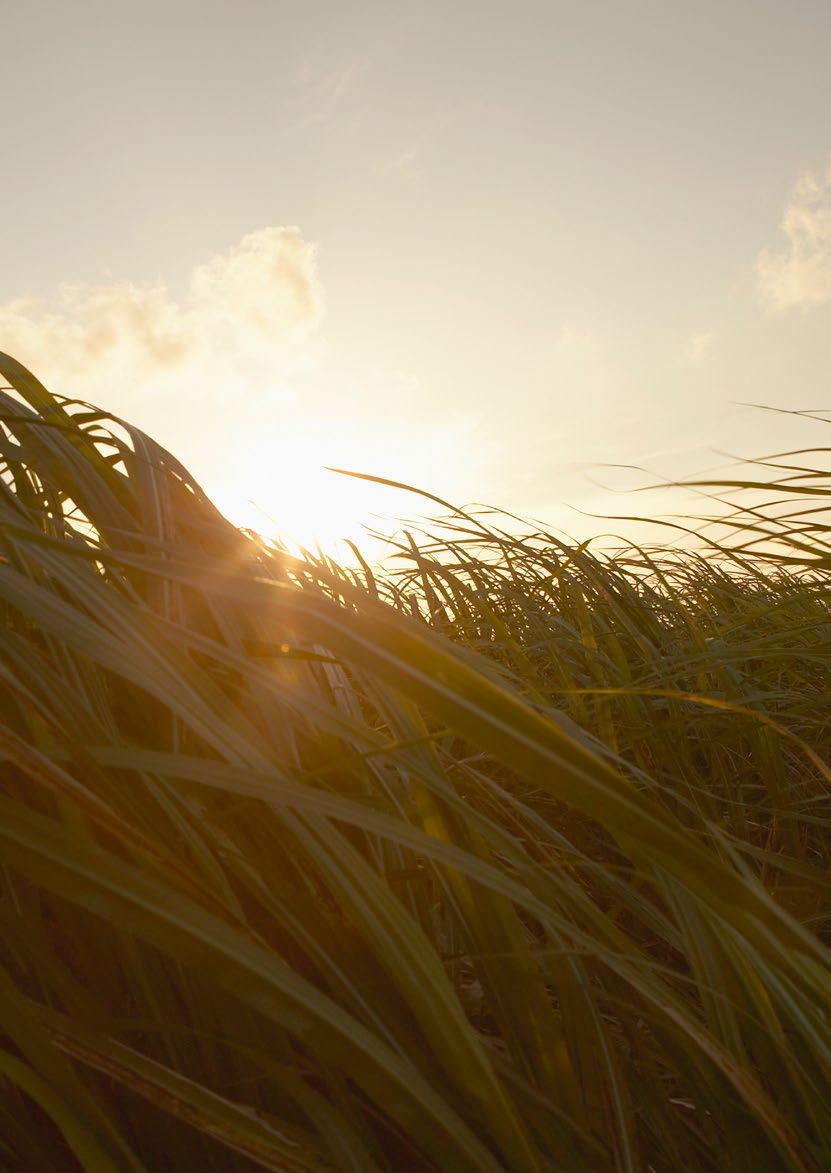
<point x="490" y="249"/>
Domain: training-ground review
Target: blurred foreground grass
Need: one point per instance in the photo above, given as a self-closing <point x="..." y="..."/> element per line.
<point x="513" y="858"/>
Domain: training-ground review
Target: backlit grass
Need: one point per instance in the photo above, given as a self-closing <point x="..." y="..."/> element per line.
<point x="513" y="856"/>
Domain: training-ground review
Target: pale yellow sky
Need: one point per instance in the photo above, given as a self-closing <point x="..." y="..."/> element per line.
<point x="484" y="247"/>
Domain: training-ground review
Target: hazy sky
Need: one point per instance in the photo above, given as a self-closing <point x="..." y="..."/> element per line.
<point x="482" y="246"/>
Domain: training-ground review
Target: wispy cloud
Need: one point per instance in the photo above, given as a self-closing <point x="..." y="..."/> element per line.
<point x="800" y="273"/>
<point x="408" y="153"/>
<point x="699" y="346"/>
<point x="248" y="319"/>
<point x="401" y="163"/>
<point x="318" y="97"/>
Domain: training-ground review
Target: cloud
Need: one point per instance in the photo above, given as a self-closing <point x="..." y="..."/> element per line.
<point x="319" y="97"/>
<point x="699" y="346"/>
<point x="248" y="319"/>
<point x="234" y="377"/>
<point x="402" y="162"/>
<point x="800" y="274"/>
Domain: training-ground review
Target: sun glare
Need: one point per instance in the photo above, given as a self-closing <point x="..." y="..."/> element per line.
<point x="284" y="490"/>
<point x="304" y="506"/>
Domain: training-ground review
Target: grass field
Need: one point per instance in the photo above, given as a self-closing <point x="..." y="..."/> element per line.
<point x="515" y="857"/>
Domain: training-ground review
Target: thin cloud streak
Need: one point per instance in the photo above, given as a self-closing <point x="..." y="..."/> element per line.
<point x="319" y="99"/>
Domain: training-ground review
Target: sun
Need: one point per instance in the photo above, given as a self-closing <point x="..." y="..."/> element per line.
<point x="302" y="507"/>
<point x="283" y="490"/>
<point x="278" y="480"/>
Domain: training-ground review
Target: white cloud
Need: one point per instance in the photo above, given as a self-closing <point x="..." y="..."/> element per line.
<point x="800" y="274"/>
<point x="249" y="319"/>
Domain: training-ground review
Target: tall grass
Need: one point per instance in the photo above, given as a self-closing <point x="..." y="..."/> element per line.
<point x="514" y="857"/>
